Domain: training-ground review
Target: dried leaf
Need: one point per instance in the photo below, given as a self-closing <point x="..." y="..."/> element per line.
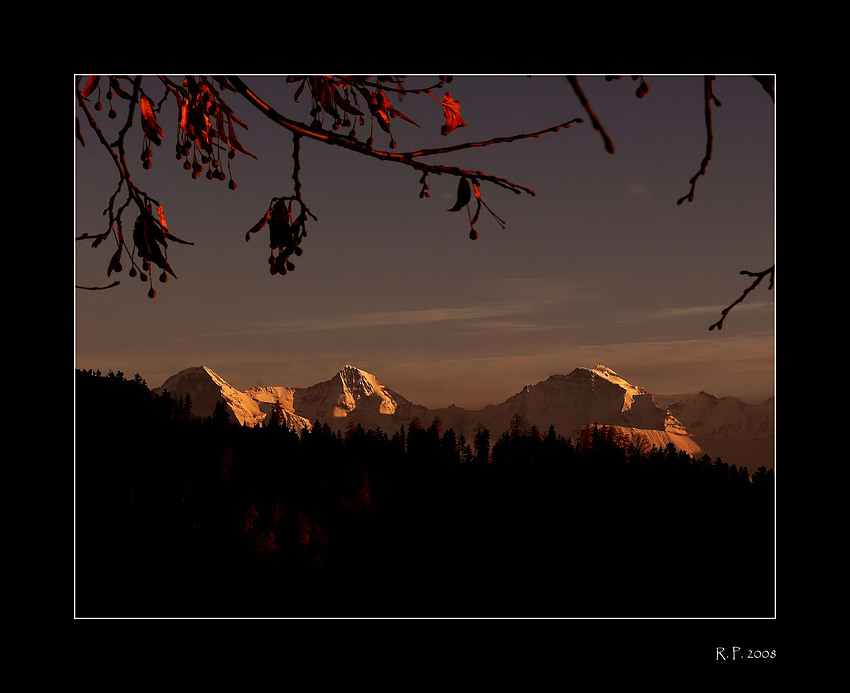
<point x="477" y="191"/>
<point x="161" y="214"/>
<point x="152" y="128"/>
<point x="114" y="262"/>
<point x="184" y="115"/>
<point x="256" y="227"/>
<point x="231" y="139"/>
<point x="383" y="120"/>
<point x="464" y="194"/>
<point x="395" y="112"/>
<point x="451" y="110"/>
<point x="383" y="110"/>
<point x="146" y="238"/>
<point x="324" y="94"/>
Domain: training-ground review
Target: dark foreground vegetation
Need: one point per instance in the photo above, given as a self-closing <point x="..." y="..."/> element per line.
<point x="177" y="516"/>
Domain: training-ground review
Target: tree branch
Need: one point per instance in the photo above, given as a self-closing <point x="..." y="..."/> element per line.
<point x="759" y="276"/>
<point x="594" y="119"/>
<point x="406" y="158"/>
<point x="98" y="288"/>
<point x="709" y="143"/>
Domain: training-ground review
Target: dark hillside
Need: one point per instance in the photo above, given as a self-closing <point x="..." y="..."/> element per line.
<point x="184" y="517"/>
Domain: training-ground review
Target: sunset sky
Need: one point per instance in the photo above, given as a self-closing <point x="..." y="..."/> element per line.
<point x="600" y="266"/>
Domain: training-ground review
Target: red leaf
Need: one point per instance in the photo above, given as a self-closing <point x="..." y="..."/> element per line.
<point x="383" y="110"/>
<point x="161" y="213"/>
<point x="149" y="122"/>
<point x="451" y="110"/>
<point x="184" y="115"/>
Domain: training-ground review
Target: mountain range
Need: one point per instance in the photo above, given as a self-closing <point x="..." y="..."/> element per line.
<point x="737" y="432"/>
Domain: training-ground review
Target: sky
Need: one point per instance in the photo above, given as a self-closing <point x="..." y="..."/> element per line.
<point x="600" y="266"/>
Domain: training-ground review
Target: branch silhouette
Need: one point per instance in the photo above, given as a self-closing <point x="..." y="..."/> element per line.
<point x="759" y="276"/>
<point x="207" y="143"/>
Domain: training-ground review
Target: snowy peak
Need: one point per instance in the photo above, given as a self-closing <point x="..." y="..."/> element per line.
<point x="726" y="417"/>
<point x="737" y="432"/>
<point x="631" y="390"/>
<point x="358" y="385"/>
<point x="206" y="388"/>
<point x="587" y="395"/>
<point x="348" y="391"/>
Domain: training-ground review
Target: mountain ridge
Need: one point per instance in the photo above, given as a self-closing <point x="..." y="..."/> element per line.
<point x="703" y="424"/>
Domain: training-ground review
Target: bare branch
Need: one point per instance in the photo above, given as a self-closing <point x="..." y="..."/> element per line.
<point x="759" y="276"/>
<point x="206" y="133"/>
<point x="98" y="288"/>
<point x="597" y="125"/>
<point x="709" y="143"/>
<point x="406" y="158"/>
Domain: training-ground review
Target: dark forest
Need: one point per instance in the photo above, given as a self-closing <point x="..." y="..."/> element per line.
<point x="182" y="516"/>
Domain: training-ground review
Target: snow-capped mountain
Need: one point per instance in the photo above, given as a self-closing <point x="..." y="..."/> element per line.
<point x="354" y="396"/>
<point x="733" y="430"/>
<point x="249" y="408"/>
<point x="585" y="396"/>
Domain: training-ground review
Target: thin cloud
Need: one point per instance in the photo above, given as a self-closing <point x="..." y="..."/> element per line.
<point x="688" y="311"/>
<point x="639" y="191"/>
<point x="488" y="315"/>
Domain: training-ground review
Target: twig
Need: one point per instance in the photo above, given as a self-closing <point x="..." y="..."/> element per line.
<point x="597" y="125"/>
<point x="406" y="158"/>
<point x="98" y="288"/>
<point x="759" y="276"/>
<point x="709" y="144"/>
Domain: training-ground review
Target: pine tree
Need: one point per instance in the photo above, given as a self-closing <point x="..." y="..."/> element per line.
<point x="482" y="445"/>
<point x="277" y="420"/>
<point x="220" y="415"/>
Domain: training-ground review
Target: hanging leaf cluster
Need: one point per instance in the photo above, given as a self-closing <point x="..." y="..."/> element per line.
<point x="205" y="130"/>
<point x="383" y="111"/>
<point x="150" y="244"/>
<point x="206" y="141"/>
<point x="330" y="96"/>
<point x="285" y="232"/>
<point x="339" y="99"/>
